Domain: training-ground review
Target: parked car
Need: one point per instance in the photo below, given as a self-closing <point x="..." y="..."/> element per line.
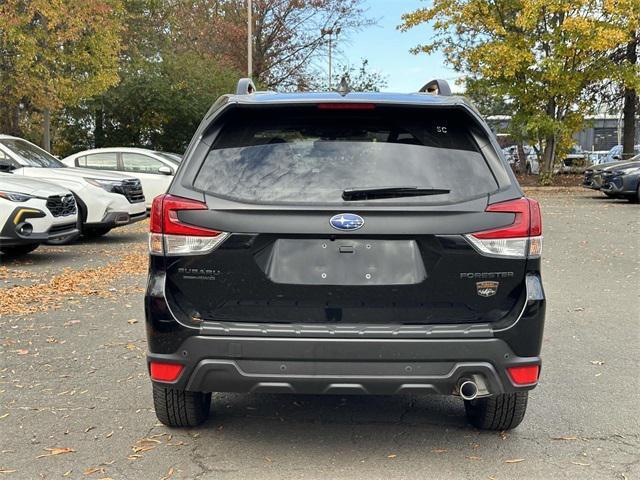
<point x="533" y="165"/>
<point x="154" y="169"/>
<point x="596" y="157"/>
<point x="105" y="199"/>
<point x="345" y="243"/>
<point x="33" y="212"/>
<point x="173" y="156"/>
<point x="623" y="180"/>
<point x="615" y="154"/>
<point x="573" y="162"/>
<point x="593" y="175"/>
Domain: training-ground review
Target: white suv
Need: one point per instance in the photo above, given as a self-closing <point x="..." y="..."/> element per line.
<point x="105" y="199"/>
<point x="155" y="170"/>
<point x="33" y="212"/>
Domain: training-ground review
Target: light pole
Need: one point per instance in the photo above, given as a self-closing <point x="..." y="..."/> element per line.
<point x="249" y="40"/>
<point x="330" y="31"/>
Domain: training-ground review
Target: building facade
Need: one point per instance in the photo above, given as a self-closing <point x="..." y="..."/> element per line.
<point x="602" y="133"/>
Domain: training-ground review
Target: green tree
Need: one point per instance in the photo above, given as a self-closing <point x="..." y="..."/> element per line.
<point x="541" y="54"/>
<point x="164" y="90"/>
<point x="55" y="53"/>
<point x="480" y="92"/>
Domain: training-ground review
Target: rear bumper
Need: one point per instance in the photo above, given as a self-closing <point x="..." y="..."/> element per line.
<point x="343" y="359"/>
<point x="342" y="366"/>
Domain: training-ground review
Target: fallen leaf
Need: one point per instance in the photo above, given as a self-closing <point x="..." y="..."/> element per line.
<point x="92" y="470"/>
<point x="4" y="416"/>
<point x="56" y="451"/>
<point x="22" y="351"/>
<point x="132" y="321"/>
<point x="393" y="455"/>
<point x="268" y="459"/>
<point x="168" y="475"/>
<point x="143" y="449"/>
<point x="514" y="460"/>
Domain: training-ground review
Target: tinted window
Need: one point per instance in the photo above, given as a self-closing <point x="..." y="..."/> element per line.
<point x="137" y="163"/>
<point x="99" y="161"/>
<point x="32" y="155"/>
<point x="312" y="155"/>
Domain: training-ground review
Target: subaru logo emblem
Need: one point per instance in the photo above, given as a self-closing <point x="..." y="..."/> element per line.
<point x="346" y="221"/>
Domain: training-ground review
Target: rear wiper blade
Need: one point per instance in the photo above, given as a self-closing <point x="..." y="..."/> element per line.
<point x="390" y="192"/>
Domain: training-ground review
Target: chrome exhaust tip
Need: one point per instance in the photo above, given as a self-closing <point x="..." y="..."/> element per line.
<point x="468" y="389"/>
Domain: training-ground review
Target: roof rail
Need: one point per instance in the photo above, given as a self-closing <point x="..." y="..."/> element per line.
<point x="245" y="87"/>
<point x="437" y="87"/>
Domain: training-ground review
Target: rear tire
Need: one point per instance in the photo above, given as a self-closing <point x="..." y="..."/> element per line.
<point x="19" y="250"/>
<point x="499" y="412"/>
<point x="94" y="232"/>
<point x="180" y="408"/>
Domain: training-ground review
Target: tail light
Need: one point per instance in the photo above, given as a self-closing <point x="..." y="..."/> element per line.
<point x="520" y="239"/>
<point x="524" y="375"/>
<point x="170" y="236"/>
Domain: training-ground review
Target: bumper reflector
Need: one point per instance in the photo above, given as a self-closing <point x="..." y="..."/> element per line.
<point x="165" y="372"/>
<point x="524" y="375"/>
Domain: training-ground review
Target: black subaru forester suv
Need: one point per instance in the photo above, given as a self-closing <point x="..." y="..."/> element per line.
<point x="345" y="243"/>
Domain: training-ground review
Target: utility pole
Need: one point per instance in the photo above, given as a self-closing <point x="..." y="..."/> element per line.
<point x="330" y="31"/>
<point x="249" y="40"/>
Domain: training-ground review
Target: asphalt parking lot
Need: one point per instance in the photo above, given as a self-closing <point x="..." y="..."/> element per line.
<point x="75" y="400"/>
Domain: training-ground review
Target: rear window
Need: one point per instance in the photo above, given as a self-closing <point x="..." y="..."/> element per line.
<point x="311" y="155"/>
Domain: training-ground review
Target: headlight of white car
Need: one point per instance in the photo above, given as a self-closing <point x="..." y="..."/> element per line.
<point x="15" y="196"/>
<point x="105" y="184"/>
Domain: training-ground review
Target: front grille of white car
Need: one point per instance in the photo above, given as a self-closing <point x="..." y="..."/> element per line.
<point x="62" y="205"/>
<point x="131" y="189"/>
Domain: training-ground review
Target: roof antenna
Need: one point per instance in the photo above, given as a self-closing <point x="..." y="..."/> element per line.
<point x="343" y="89"/>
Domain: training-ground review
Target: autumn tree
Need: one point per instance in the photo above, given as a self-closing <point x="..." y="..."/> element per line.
<point x="54" y="54"/>
<point x="541" y="54"/>
<point x="287" y="34"/>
